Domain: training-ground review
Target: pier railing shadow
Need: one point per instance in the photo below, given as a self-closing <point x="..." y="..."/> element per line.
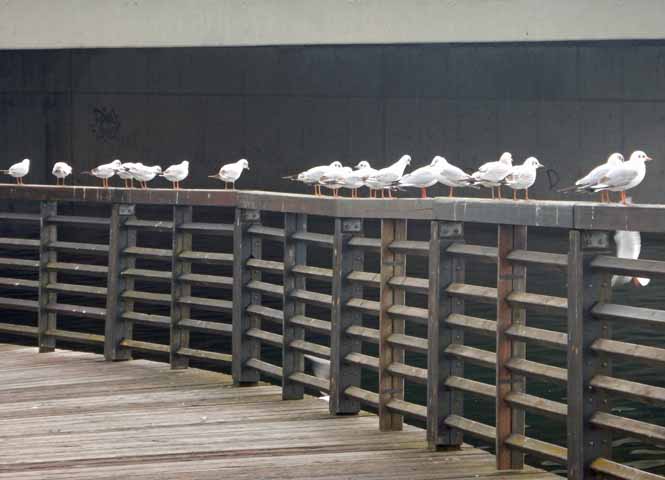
<point x="324" y="287"/>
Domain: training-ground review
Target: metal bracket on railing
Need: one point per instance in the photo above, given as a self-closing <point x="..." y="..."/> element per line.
<point x="594" y="239"/>
<point x="352" y="225"/>
<point x="125" y="210"/>
<point x="451" y="230"/>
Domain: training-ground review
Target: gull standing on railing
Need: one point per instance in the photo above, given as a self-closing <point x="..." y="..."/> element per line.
<point x="491" y="174"/>
<point x="357" y="179"/>
<point x="594" y="177"/>
<point x="144" y="174"/>
<point x="624" y="176"/>
<point x="124" y="173"/>
<point x="629" y="245"/>
<point x="104" y="172"/>
<point x="313" y="175"/>
<point x="335" y="179"/>
<point x="423" y="177"/>
<point x="231" y="172"/>
<point x="452" y="176"/>
<point x="522" y="177"/>
<point x="61" y="170"/>
<point x="176" y="173"/>
<point x="386" y="178"/>
<point x="18" y="170"/>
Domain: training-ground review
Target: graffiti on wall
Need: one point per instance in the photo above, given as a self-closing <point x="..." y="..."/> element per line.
<point x="105" y="124"/>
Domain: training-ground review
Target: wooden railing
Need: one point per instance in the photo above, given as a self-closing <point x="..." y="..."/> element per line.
<point x="336" y="269"/>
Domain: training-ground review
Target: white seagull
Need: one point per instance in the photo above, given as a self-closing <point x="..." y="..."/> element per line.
<point x="125" y="174"/>
<point x="335" y="179"/>
<point x="231" y="172"/>
<point x="386" y="178"/>
<point x="423" y="177"/>
<point x="176" y="173"/>
<point x="522" y="177"/>
<point x="313" y="175"/>
<point x="628" y="245"/>
<point x="143" y="173"/>
<point x="624" y="176"/>
<point x="18" y="170"/>
<point x="321" y="369"/>
<point x="357" y="179"/>
<point x="61" y="170"/>
<point x="491" y="174"/>
<point x="106" y="171"/>
<point x="452" y="176"/>
<point x="594" y="176"/>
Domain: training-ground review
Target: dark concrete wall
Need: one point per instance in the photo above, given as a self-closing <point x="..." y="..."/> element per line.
<point x="284" y="108"/>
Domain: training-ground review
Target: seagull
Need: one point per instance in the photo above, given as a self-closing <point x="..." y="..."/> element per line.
<point x="624" y="176"/>
<point x="176" y="173"/>
<point x="61" y="170"/>
<point x="313" y="175"/>
<point x="335" y="179"/>
<point x="231" y="172"/>
<point x="453" y="176"/>
<point x="423" y="177"/>
<point x="491" y="174"/>
<point x="143" y="173"/>
<point x="125" y="174"/>
<point x="628" y="245"/>
<point x="321" y="369"/>
<point x="18" y="170"/>
<point x="387" y="177"/>
<point x="521" y="177"/>
<point x="106" y="171"/>
<point x="356" y="178"/>
<point x="594" y="176"/>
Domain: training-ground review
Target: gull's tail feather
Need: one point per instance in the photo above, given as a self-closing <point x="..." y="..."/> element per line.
<point x="4" y="172"/>
<point x="291" y="177"/>
<point x="570" y="189"/>
<point x="87" y="172"/>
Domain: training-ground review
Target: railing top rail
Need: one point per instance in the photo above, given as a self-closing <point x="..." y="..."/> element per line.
<point x="557" y="214"/>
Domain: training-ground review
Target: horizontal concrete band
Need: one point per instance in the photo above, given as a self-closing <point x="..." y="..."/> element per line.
<point x="578" y="215"/>
<point x="160" y="23"/>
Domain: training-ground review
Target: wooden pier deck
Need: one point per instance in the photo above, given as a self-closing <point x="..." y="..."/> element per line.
<point x="71" y="415"/>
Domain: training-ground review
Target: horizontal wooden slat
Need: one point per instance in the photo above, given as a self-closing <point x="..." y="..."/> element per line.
<point x="265" y="266"/>
<point x="311" y="324"/>
<point x="20" y="217"/>
<point x="629" y="267"/>
<point x="214" y="281"/>
<point x="366" y="397"/>
<point x="265" y="288"/>
<point x="310" y="347"/>
<point x="471" y="386"/>
<point x="363" y="360"/>
<point x="152" y="253"/>
<point x="622" y="472"/>
<point x="207" y="257"/>
<point x="78" y="220"/>
<point x="77" y="337"/>
<point x="475" y="252"/>
<point x="648" y="432"/>
<point x="472" y="355"/>
<point x="78" y="268"/>
<point x="77" y="311"/>
<point x="407" y="408"/>
<point x="206" y="326"/>
<point x="415" y="374"/>
<point x="205" y="355"/>
<point x="631" y="390"/>
<point x="73" y="289"/>
<point x="264" y="367"/>
<point x="369" y="307"/>
<point x="408" y="342"/>
<point x="147" y="319"/>
<point x="529" y="257"/>
<point x="23" y="330"/>
<point x="147" y="297"/>
<point x="266" y="313"/>
<point x="369" y="279"/>
<point x="365" y="243"/>
<point x="19" y="243"/>
<point x="410" y="247"/>
<point x="630" y="351"/>
<point x="370" y="335"/>
<point x="538" y="405"/>
<point x="535" y="301"/>
<point x="538" y="336"/>
<point x="538" y="448"/>
<point x="268" y="233"/>
<point x="410" y="314"/>
<point x="153" y="225"/>
<point x="80" y="248"/>
<point x="311" y="298"/>
<point x="311" y="381"/>
<point x="19" y="263"/>
<point x="319" y="239"/>
<point x="645" y="316"/>
<point x="22" y="283"/>
<point x="538" y="370"/>
<point x="154" y="275"/>
<point x="207" y="228"/>
<point x="474" y="324"/>
<point x="472" y="292"/>
<point x="145" y="346"/>
<point x="208" y="304"/>
<point x="313" y="272"/>
<point x="473" y="428"/>
<point x="410" y="284"/>
<point x="19" y="304"/>
<point x="265" y="336"/>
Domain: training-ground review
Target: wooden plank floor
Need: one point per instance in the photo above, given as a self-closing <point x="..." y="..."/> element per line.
<point x="71" y="415"/>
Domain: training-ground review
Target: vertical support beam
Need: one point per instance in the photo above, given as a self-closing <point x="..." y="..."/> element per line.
<point x="444" y="269"/>
<point x="345" y="260"/>
<point x="586" y="288"/>
<point x="116" y="329"/>
<point x="46" y="320"/>
<point x="182" y="241"/>
<point x="295" y="253"/>
<point x="244" y="248"/>
<point x="392" y="264"/>
<point x="510" y="278"/>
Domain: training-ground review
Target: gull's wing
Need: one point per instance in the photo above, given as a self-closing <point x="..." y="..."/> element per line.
<point x="618" y="177"/>
<point x="594" y="176"/>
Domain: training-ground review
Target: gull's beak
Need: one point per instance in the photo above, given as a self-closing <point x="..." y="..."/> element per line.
<point x="648" y="159"/>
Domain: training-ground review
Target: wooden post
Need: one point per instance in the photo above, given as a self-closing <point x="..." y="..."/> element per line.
<point x="392" y="264"/>
<point x="116" y="329"/>
<point x="345" y="260"/>
<point x="510" y="278"/>
<point x="244" y="248"/>
<point x="295" y="253"/>
<point x="46" y="320"/>
<point x="444" y="269"/>
<point x="585" y="289"/>
<point x="182" y="241"/>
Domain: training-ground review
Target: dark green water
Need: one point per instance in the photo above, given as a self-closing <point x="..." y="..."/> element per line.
<point x="540" y="280"/>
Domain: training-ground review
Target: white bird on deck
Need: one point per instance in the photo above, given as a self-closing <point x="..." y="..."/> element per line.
<point x="357" y="178"/>
<point x="452" y="176"/>
<point x="18" y="170"/>
<point x="629" y="245"/>
<point x="230" y="173"/>
<point x="491" y="174"/>
<point x="423" y="177"/>
<point x="61" y="170"/>
<point x="106" y="171"/>
<point x="386" y="178"/>
<point x="335" y="179"/>
<point x="143" y="173"/>
<point x="624" y="176"/>
<point x="313" y="175"/>
<point x="522" y="177"/>
<point x="177" y="173"/>
<point x="124" y="173"/>
<point x="594" y="177"/>
<point x="321" y="369"/>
